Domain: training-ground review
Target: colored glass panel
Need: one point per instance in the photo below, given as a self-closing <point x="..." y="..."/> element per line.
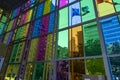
<point x="77" y="69"/>
<point x="29" y="15"/>
<point x="38" y="71"/>
<point x="44" y="25"/>
<point x="63" y="21"/>
<point x="87" y="10"/>
<point x="111" y="33"/>
<point x="41" y="48"/>
<point x="33" y="50"/>
<point x="29" y="72"/>
<point x="62" y="70"/>
<point x="51" y="22"/>
<point x="105" y="7"/>
<point x="46" y="71"/>
<point x="53" y="4"/>
<point x="95" y="66"/>
<point x="91" y="39"/>
<point x="115" y="67"/>
<point x="62" y="3"/>
<point x="2" y="27"/>
<point x="9" y="27"/>
<point x="49" y="48"/>
<point x="4" y="19"/>
<point x="74" y="14"/>
<point x="76" y="42"/>
<point x="40" y="10"/>
<point x="23" y="19"/>
<point x="6" y="38"/>
<point x="62" y="46"/>
<point x="116" y="3"/>
<point x="47" y="6"/>
<point x="12" y="71"/>
<point x="37" y="27"/>
<point x="17" y="52"/>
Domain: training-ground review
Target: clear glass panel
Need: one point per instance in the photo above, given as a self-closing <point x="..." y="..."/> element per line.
<point x="87" y="10"/>
<point x="91" y="39"/>
<point x="62" y="48"/>
<point x="62" y="70"/>
<point x="74" y="14"/>
<point x="95" y="66"/>
<point x="76" y="42"/>
<point x="63" y="21"/>
<point x="105" y="7"/>
<point x="77" y="69"/>
<point x="111" y="33"/>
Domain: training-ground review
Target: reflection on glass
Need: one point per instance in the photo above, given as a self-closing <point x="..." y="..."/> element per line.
<point x="115" y="67"/>
<point x="111" y="32"/>
<point x="91" y="39"/>
<point x="62" y="70"/>
<point x="12" y="72"/>
<point x="28" y="72"/>
<point x="76" y="42"/>
<point x="38" y="71"/>
<point x="63" y="21"/>
<point x="95" y="66"/>
<point x="74" y="14"/>
<point x="62" y="47"/>
<point x="87" y="10"/>
<point x="77" y="69"/>
<point x="105" y="7"/>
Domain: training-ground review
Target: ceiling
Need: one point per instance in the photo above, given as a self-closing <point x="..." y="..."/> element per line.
<point x="8" y="5"/>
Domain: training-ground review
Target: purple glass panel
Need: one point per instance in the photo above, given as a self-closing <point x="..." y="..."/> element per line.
<point x="44" y="26"/>
<point x="18" y="11"/>
<point x="62" y="3"/>
<point x="41" y="48"/>
<point x="62" y="70"/>
<point x="23" y="18"/>
<point x="10" y="37"/>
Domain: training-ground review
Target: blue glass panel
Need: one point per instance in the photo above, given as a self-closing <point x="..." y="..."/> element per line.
<point x="40" y="10"/>
<point x="111" y="33"/>
<point x="53" y="5"/>
<point x="74" y="14"/>
<point x="37" y="26"/>
<point x="2" y="26"/>
<point x="14" y="13"/>
<point x="51" y="23"/>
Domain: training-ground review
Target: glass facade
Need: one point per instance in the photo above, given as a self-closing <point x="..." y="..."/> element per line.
<point x="61" y="40"/>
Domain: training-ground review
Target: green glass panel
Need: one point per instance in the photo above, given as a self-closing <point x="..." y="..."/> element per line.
<point x="117" y="4"/>
<point x="38" y="71"/>
<point x="6" y="38"/>
<point x="2" y="26"/>
<point x="87" y="10"/>
<point x="4" y="19"/>
<point x="33" y="50"/>
<point x="63" y="18"/>
<point x="9" y="27"/>
<point x="91" y="39"/>
<point x="95" y="66"/>
<point x="12" y="72"/>
<point x="28" y="72"/>
<point x="62" y="48"/>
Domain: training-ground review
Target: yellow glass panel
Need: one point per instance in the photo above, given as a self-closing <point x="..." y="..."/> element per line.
<point x="49" y="47"/>
<point x="76" y="42"/>
<point x="33" y="49"/>
<point x="105" y="7"/>
<point x="28" y="72"/>
<point x="29" y="15"/>
<point x="46" y="71"/>
<point x="25" y="30"/>
<point x="47" y="6"/>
